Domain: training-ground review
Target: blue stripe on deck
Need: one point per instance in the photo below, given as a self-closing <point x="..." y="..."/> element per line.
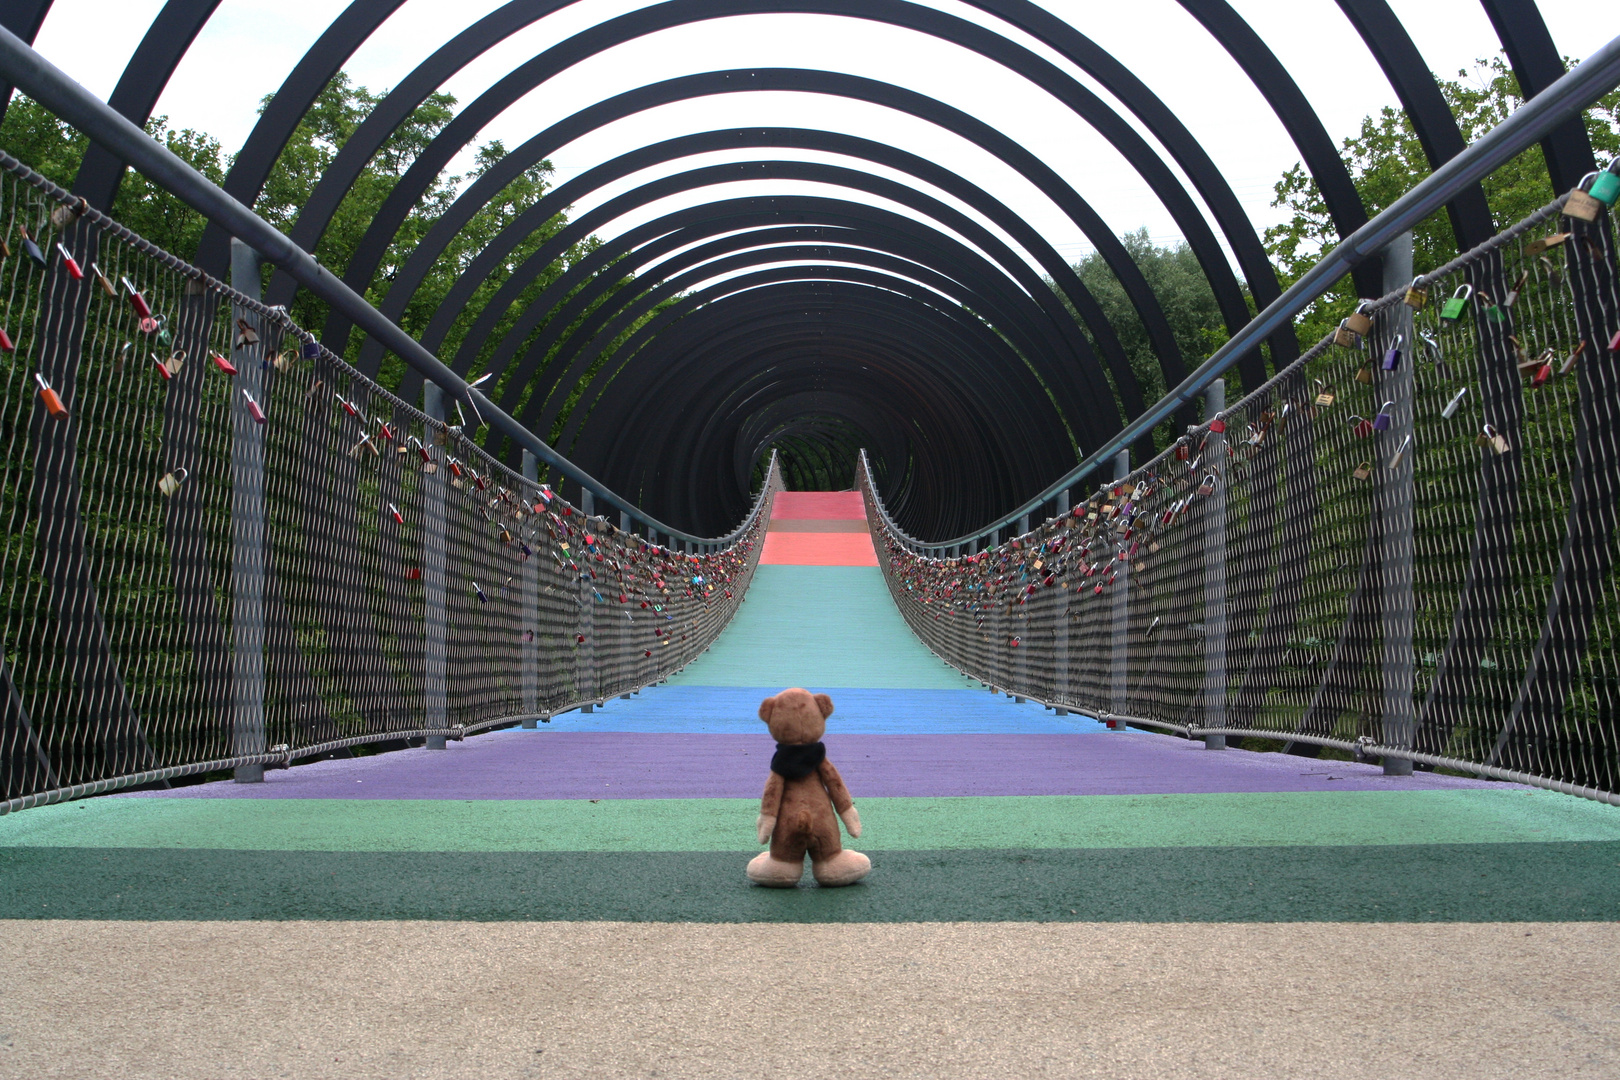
<point x="858" y="711"/>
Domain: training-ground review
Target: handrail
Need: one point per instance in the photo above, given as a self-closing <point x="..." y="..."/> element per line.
<point x="1577" y="89"/>
<point x="36" y="76"/>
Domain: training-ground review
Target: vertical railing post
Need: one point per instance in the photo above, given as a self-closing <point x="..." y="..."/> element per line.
<point x="436" y="712"/>
<point x="1060" y="633"/>
<point x="247" y="524"/>
<point x="1215" y="577"/>
<point x="531" y="614"/>
<point x="1119" y="697"/>
<point x="586" y="666"/>
<point x="1394" y="496"/>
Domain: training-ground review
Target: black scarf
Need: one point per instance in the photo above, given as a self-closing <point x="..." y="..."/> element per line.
<point x="797" y="762"/>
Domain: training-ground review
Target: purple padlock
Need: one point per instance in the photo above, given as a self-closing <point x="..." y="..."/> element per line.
<point x="1382" y="421"/>
<point x="1392" y="359"/>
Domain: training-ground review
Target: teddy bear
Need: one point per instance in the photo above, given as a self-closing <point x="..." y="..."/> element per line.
<point x="796" y="812"/>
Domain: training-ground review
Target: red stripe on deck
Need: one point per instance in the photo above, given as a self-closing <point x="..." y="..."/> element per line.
<point x="819" y="504"/>
<point x="818" y="549"/>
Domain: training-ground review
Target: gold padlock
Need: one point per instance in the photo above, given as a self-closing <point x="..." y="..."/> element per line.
<point x="1492" y="438"/>
<point x="1364" y="375"/>
<point x="1363" y="470"/>
<point x="1545" y="243"/>
<point x="1344" y="337"/>
<point x="1324" y="394"/>
<point x="1416" y="295"/>
<point x="172" y="480"/>
<point x="1583" y="206"/>
<point x="1358" y="322"/>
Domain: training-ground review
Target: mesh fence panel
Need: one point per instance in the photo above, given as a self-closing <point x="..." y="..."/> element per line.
<point x="1412" y="553"/>
<point x="220" y="496"/>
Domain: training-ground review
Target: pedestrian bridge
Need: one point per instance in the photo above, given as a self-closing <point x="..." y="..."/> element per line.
<point x="379" y="702"/>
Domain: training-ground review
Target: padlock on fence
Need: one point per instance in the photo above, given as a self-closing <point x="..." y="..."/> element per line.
<point x="1400" y="452"/>
<point x="1489" y="436"/>
<point x="1453" y="309"/>
<point x="1344" y="337"/>
<point x="1569" y="364"/>
<point x="1518" y="287"/>
<point x="1358" y="323"/>
<point x="31" y="248"/>
<point x="223" y="364"/>
<point x="1417" y="297"/>
<point x="1392" y="358"/>
<point x="101" y="279"/>
<point x="1324" y="394"/>
<point x="51" y="399"/>
<point x="143" y="310"/>
<point x="1543" y="244"/>
<point x="6" y="344"/>
<point x="1363" y="470"/>
<point x="245" y="335"/>
<point x="171" y="481"/>
<point x="70" y="262"/>
<point x="253" y="407"/>
<point x="1364" y="374"/>
<point x="1360" y="426"/>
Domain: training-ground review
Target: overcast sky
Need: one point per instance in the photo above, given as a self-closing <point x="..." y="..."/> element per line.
<point x="249" y="46"/>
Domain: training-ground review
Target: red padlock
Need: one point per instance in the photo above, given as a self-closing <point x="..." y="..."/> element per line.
<point x="414" y="574"/>
<point x="6" y="344"/>
<point x="253" y="407"/>
<point x="143" y="310"/>
<point x="52" y="400"/>
<point x="1217" y="426"/>
<point x="223" y="364"/>
<point x="398" y="517"/>
<point x="71" y="263"/>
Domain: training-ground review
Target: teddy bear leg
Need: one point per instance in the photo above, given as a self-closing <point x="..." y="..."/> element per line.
<point x="845" y="868"/>
<point x="766" y="869"/>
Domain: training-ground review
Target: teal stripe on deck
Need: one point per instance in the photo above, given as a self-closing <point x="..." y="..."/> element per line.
<point x="820" y="626"/>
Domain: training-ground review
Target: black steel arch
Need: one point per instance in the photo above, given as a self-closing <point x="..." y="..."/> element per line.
<point x="1517" y="22"/>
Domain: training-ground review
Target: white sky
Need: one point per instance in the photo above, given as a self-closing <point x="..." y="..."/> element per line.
<point x="249" y="46"/>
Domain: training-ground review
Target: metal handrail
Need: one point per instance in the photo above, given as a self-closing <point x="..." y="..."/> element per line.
<point x="1577" y="89"/>
<point x="36" y="76"/>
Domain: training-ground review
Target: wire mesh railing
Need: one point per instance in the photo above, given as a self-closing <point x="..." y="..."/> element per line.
<point x="225" y="548"/>
<point x="1402" y="546"/>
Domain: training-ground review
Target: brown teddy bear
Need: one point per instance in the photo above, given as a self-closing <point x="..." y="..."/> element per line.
<point x="796" y="813"/>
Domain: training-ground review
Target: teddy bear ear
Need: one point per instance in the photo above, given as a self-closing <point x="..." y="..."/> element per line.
<point x="824" y="703"/>
<point x="765" y="708"/>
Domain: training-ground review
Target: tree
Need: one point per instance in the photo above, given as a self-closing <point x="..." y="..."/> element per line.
<point x="1386" y="161"/>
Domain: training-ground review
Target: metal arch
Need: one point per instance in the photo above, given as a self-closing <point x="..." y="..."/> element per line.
<point x="1535" y="61"/>
<point x="1063" y="379"/>
<point x="901" y="236"/>
<point x="957" y="336"/>
<point x="1431" y="117"/>
<point x="23" y="18"/>
<point x="567" y="194"/>
<point x="455" y="135"/>
<point x="166" y="43"/>
<point x="902" y="100"/>
<point x="937" y="24"/>
<point x="1304" y="127"/>
<point x="598" y="327"/>
<point x="285" y="111"/>
<point x="729" y="215"/>
<point x="823" y="208"/>
<point x="990" y="342"/>
<point x="743" y="330"/>
<point x="995" y="467"/>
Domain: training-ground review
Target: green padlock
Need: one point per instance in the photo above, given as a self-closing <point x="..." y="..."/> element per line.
<point x="1606" y="188"/>
<point x="1453" y="309"/>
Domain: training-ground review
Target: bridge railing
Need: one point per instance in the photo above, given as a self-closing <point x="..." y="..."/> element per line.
<point x="225" y="548"/>
<point x="1406" y="556"/>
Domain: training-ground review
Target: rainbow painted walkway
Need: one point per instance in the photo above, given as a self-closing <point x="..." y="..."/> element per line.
<point x="1009" y="845"/>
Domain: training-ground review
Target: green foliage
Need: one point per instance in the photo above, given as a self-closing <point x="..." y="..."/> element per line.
<point x="1386" y="161"/>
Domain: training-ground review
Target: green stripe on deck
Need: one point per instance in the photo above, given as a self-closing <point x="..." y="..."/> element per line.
<point x="1424" y="883"/>
<point x="1312" y="819"/>
<point x="820" y="627"/>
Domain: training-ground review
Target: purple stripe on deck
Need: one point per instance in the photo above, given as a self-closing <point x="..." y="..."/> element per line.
<point x="589" y="765"/>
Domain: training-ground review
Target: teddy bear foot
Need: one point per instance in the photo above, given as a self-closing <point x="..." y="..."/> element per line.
<point x="845" y="868"/>
<point x="774" y="873"/>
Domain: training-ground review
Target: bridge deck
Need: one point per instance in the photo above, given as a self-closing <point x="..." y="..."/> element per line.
<point x="1094" y="881"/>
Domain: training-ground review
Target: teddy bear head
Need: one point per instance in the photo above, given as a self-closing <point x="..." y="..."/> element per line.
<point x="796" y="717"/>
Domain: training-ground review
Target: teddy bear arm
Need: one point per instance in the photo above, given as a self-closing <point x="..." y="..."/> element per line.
<point x="770" y="804"/>
<point x="834" y="784"/>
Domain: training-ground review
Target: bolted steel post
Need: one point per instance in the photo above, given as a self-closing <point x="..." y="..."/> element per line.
<point x="247" y="526"/>
<point x="434" y="561"/>
<point x="1393" y="498"/>
<point x="531" y="612"/>
<point x="1118" y="670"/>
<point x="1214" y="507"/>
